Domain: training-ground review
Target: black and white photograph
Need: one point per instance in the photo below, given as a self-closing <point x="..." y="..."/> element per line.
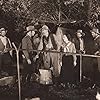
<point x="49" y="49"/>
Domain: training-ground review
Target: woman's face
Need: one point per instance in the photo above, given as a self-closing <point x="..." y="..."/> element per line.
<point x="94" y="34"/>
<point x="65" y="38"/>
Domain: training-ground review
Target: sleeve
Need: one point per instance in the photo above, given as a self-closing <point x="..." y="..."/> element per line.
<point x="9" y="43"/>
<point x="10" y="46"/>
<point x="24" y="46"/>
<point x="40" y="47"/>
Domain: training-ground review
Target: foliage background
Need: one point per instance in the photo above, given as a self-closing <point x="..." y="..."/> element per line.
<point x="15" y="15"/>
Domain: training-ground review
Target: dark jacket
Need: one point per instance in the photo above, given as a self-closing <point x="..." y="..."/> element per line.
<point x="97" y="43"/>
<point x="27" y="45"/>
<point x="75" y="40"/>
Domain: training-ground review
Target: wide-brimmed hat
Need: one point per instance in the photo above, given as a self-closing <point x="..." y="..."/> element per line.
<point x="44" y="27"/>
<point x="95" y="30"/>
<point x="30" y="28"/>
<point x="81" y="32"/>
<point x="2" y="29"/>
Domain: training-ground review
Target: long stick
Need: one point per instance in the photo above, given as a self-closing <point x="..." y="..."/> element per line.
<point x="18" y="71"/>
<point x="80" y="68"/>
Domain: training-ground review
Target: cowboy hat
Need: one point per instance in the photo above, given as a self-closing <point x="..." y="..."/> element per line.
<point x="44" y="27"/>
<point x="95" y="30"/>
<point x="30" y="28"/>
<point x="2" y="29"/>
<point x="80" y="31"/>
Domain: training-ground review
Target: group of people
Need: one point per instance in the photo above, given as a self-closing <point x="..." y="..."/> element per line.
<point x="62" y="65"/>
<point x="39" y="52"/>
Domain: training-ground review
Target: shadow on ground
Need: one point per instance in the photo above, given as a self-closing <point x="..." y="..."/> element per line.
<point x="85" y="90"/>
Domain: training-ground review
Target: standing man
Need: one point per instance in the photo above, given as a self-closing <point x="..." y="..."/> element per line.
<point x="79" y="41"/>
<point x="27" y="47"/>
<point x="5" y="50"/>
<point x="49" y="59"/>
<point x="80" y="48"/>
<point x="96" y="37"/>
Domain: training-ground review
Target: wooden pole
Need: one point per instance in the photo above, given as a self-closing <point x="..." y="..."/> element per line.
<point x="18" y="71"/>
<point x="80" y="68"/>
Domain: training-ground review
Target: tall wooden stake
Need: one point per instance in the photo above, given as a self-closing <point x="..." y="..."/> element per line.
<point x="18" y="71"/>
<point x="80" y="68"/>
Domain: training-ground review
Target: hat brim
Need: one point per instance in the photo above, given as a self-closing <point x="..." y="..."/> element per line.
<point x="41" y="29"/>
<point x="95" y="32"/>
<point x="83" y="34"/>
<point x="2" y="30"/>
<point x="30" y="30"/>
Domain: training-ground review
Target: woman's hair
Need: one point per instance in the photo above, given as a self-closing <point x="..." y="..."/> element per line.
<point x="69" y="37"/>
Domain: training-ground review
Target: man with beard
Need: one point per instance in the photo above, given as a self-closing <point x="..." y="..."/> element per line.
<point x="49" y="59"/>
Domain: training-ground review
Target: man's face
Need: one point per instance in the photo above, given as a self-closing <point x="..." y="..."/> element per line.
<point x="94" y="34"/>
<point x="79" y="35"/>
<point x="3" y="32"/>
<point x="32" y="33"/>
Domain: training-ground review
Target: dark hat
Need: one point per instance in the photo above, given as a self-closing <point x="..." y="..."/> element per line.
<point x="81" y="32"/>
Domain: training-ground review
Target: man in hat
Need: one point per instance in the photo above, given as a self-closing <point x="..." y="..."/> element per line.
<point x="80" y="48"/>
<point x="79" y="41"/>
<point x="27" y="47"/>
<point x="96" y="36"/>
<point x="5" y="50"/>
<point x="49" y="42"/>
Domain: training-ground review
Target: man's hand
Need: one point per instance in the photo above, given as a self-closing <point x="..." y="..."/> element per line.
<point x="29" y="61"/>
<point x="97" y="53"/>
<point x="34" y="59"/>
<point x="11" y="53"/>
<point x="5" y="50"/>
<point x="75" y="63"/>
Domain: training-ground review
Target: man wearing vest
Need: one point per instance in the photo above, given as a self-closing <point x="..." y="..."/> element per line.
<point x="5" y="50"/>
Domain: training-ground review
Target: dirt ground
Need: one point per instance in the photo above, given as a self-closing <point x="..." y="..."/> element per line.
<point x="85" y="90"/>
